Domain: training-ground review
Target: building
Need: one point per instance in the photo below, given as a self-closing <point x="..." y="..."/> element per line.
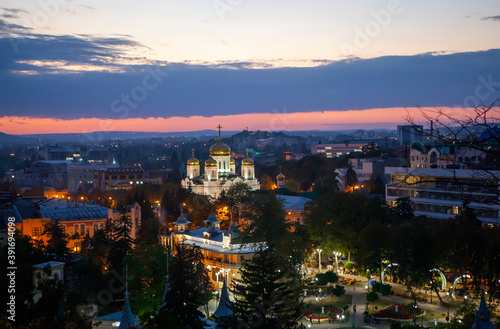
<point x="428" y="156"/>
<point x="81" y="176"/>
<point x="219" y="172"/>
<point x="118" y="178"/>
<point x="294" y="208"/>
<point x="81" y="154"/>
<point x="440" y="193"/>
<point x="409" y="134"/>
<point x="57" y="174"/>
<point x="365" y="169"/>
<point x="76" y="218"/>
<point x="336" y="150"/>
<point x="223" y="251"/>
<point x="51" y="173"/>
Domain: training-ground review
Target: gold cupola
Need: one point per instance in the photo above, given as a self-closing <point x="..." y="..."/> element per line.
<point x="247" y="161"/>
<point x="193" y="161"/>
<point x="220" y="148"/>
<point x="211" y="162"/>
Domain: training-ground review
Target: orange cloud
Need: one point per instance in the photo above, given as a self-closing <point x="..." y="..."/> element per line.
<point x="278" y="120"/>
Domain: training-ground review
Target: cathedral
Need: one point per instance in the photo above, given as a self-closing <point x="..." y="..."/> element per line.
<point x="220" y="172"/>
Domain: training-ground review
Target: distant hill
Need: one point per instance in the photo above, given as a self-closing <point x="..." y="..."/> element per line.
<point x="6" y="139"/>
<point x="123" y="135"/>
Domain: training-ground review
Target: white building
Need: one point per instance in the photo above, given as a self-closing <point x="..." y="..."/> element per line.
<point x="336" y="150"/>
<point x="440" y="193"/>
<point x="220" y="172"/>
<point x="425" y="156"/>
<point x="223" y="251"/>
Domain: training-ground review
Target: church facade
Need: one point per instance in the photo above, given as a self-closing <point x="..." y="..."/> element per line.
<point x="219" y="172"/>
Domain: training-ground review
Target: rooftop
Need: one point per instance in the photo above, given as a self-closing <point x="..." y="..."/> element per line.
<point x="64" y="210"/>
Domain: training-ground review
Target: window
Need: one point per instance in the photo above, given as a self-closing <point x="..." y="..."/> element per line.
<point x="101" y="226"/>
<point x="37" y="231"/>
<point x="123" y="177"/>
<point x="130" y="176"/>
<point x="114" y="177"/>
<point x="82" y="229"/>
<point x="96" y="227"/>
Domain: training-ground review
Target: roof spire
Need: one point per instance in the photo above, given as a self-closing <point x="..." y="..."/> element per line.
<point x="224" y="308"/>
<point x="128" y="319"/>
<point x="219" y="127"/>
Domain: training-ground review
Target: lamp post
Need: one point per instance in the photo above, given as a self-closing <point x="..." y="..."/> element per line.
<point x="217" y="275"/>
<point x="319" y="259"/>
<point x="337" y="260"/>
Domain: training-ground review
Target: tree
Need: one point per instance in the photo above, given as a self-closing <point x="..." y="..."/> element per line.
<point x="266" y="223"/>
<point x="351" y="179"/>
<point x="371" y="297"/>
<point x="238" y="193"/>
<point x="266" y="297"/>
<point x="147" y="271"/>
<point x="349" y="266"/>
<point x="122" y="241"/>
<point x="381" y="288"/>
<point x="332" y="277"/>
<point x="189" y="287"/>
<point x="476" y="129"/>
<point x="339" y="291"/>
<point x="57" y="242"/>
<point x="404" y="209"/>
<point x="148" y="231"/>
<point x="321" y="279"/>
<point x="266" y="183"/>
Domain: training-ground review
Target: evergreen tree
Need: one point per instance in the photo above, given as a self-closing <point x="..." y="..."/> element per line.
<point x="57" y="242"/>
<point x="189" y="286"/>
<point x="404" y="209"/>
<point x="266" y="297"/>
<point x="122" y="241"/>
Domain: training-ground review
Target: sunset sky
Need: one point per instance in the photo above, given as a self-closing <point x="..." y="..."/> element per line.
<point x="81" y="66"/>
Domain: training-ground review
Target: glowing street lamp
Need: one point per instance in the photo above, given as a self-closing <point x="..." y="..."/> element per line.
<point x="319" y="259"/>
<point x="337" y="260"/>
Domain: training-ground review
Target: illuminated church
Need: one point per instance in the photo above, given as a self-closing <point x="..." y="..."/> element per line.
<point x="220" y="172"/>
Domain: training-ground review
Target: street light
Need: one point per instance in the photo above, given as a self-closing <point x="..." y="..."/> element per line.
<point x="319" y="265"/>
<point x="337" y="260"/>
<point x="217" y="275"/>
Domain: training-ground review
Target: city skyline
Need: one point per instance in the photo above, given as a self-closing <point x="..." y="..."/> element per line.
<point x="174" y="66"/>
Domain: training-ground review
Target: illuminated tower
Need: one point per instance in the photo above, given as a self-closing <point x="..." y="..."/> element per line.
<point x="193" y="167"/>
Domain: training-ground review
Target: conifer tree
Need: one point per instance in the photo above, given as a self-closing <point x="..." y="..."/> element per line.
<point x="188" y="288"/>
<point x="266" y="297"/>
<point x="57" y="242"/>
<point x="122" y="241"/>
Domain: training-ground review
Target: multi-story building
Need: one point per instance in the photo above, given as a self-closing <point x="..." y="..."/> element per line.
<point x="41" y="174"/>
<point x="427" y="156"/>
<point x="365" y="169"/>
<point x="409" y="134"/>
<point x="336" y="150"/>
<point x="76" y="218"/>
<point x="95" y="154"/>
<point x="118" y="178"/>
<point x="223" y="251"/>
<point x="440" y="193"/>
<point x="57" y="174"/>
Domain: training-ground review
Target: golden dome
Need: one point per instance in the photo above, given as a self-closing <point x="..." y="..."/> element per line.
<point x="220" y="148"/>
<point x="193" y="161"/>
<point x="247" y="161"/>
<point x="231" y="162"/>
<point x="211" y="162"/>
